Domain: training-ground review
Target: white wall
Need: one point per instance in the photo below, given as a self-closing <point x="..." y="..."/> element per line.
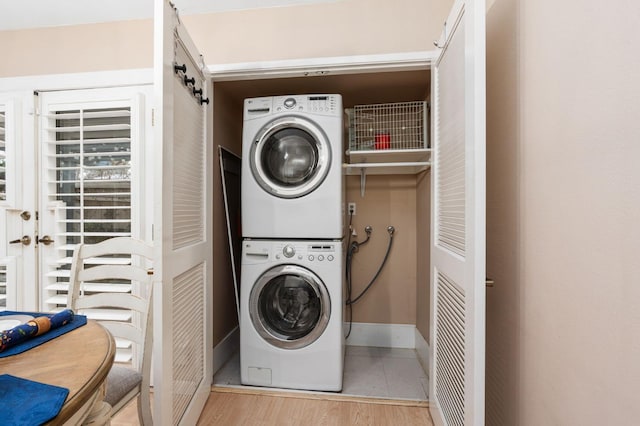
<point x="341" y="28"/>
<point x="503" y="220"/>
<point x="78" y="48"/>
<point x="338" y="28"/>
<point x="563" y="114"/>
<point x="580" y="198"/>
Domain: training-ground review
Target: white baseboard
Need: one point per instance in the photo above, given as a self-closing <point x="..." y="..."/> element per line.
<point x="226" y="348"/>
<point x="382" y="335"/>
<point x="422" y="349"/>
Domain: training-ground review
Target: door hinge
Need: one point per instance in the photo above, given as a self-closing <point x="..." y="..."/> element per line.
<point x="153" y="117"/>
<point x="36" y="107"/>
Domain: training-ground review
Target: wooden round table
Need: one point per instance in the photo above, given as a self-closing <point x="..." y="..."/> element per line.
<point x="79" y="361"/>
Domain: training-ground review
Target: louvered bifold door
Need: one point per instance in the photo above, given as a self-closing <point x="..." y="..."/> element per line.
<point x="182" y="232"/>
<point x="457" y="338"/>
<point x="91" y="188"/>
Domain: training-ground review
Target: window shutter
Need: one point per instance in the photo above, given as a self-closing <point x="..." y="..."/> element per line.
<point x="7" y="265"/>
<point x="3" y="286"/>
<point x="8" y="279"/>
<point x="88" y="180"/>
<point x="3" y="156"/>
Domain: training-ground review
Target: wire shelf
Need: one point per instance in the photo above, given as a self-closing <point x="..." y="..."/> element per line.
<point x="391" y="126"/>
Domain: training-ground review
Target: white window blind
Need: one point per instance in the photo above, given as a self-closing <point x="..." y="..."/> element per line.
<point x="3" y="286"/>
<point x="89" y="187"/>
<point x="3" y="156"/>
<point x="8" y="283"/>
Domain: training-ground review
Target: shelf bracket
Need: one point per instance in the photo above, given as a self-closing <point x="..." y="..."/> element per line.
<point x="386" y="168"/>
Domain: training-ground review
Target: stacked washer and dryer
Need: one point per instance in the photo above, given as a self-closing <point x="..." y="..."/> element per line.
<point x="291" y="292"/>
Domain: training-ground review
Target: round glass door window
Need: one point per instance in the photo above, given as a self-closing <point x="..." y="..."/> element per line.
<point x="290" y="158"/>
<point x="289" y="306"/>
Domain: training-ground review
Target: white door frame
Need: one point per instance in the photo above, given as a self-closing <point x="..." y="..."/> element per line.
<point x="410" y="61"/>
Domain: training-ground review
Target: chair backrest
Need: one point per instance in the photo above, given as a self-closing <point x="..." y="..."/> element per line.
<point x="101" y="286"/>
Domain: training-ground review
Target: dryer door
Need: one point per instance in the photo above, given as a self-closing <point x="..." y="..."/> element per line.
<point x="290" y="157"/>
<point x="289" y="306"/>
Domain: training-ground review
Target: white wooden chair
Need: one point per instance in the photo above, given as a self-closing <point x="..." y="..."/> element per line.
<point x="93" y="267"/>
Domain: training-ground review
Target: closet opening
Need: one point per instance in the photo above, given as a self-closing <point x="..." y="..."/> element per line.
<point x="391" y="322"/>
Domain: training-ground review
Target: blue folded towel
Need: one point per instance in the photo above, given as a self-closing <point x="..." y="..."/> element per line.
<point x="25" y="402"/>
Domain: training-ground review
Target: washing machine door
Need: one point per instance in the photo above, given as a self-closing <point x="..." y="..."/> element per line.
<point x="289" y="306"/>
<point x="290" y="157"/>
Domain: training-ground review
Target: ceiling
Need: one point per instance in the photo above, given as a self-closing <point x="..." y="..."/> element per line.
<point x="23" y="14"/>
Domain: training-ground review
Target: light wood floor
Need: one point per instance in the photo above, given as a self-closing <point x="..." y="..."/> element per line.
<point x="239" y="407"/>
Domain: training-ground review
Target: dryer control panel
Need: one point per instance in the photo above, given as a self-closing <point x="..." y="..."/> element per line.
<point x="316" y="104"/>
<point x="309" y="104"/>
<point x="256" y="252"/>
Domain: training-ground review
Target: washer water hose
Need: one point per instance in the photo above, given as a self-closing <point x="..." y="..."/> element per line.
<point x="352" y="249"/>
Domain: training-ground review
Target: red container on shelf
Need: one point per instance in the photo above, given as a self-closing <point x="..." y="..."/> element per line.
<point x="382" y="141"/>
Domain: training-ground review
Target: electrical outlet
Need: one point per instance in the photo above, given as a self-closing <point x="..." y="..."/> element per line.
<point x="351" y="209"/>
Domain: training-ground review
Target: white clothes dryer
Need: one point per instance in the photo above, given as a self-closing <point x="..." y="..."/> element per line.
<point x="291" y="314"/>
<point x="292" y="177"/>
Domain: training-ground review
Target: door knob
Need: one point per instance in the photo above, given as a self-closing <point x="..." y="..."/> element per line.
<point x="26" y="240"/>
<point x="25" y="215"/>
<point x="46" y="240"/>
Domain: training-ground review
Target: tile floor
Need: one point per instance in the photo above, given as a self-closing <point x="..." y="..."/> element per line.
<point x="371" y="372"/>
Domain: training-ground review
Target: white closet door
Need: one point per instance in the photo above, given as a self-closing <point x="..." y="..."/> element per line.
<point x="182" y="225"/>
<point x="458" y="220"/>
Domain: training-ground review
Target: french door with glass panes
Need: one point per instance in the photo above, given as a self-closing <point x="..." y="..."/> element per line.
<point x="91" y="182"/>
<point x="71" y="170"/>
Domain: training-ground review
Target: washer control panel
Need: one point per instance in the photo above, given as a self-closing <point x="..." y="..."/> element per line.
<point x="311" y="252"/>
<point x="321" y="252"/>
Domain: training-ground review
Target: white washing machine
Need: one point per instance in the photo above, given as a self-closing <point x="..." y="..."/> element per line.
<point x="291" y="314"/>
<point x="292" y="177"/>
